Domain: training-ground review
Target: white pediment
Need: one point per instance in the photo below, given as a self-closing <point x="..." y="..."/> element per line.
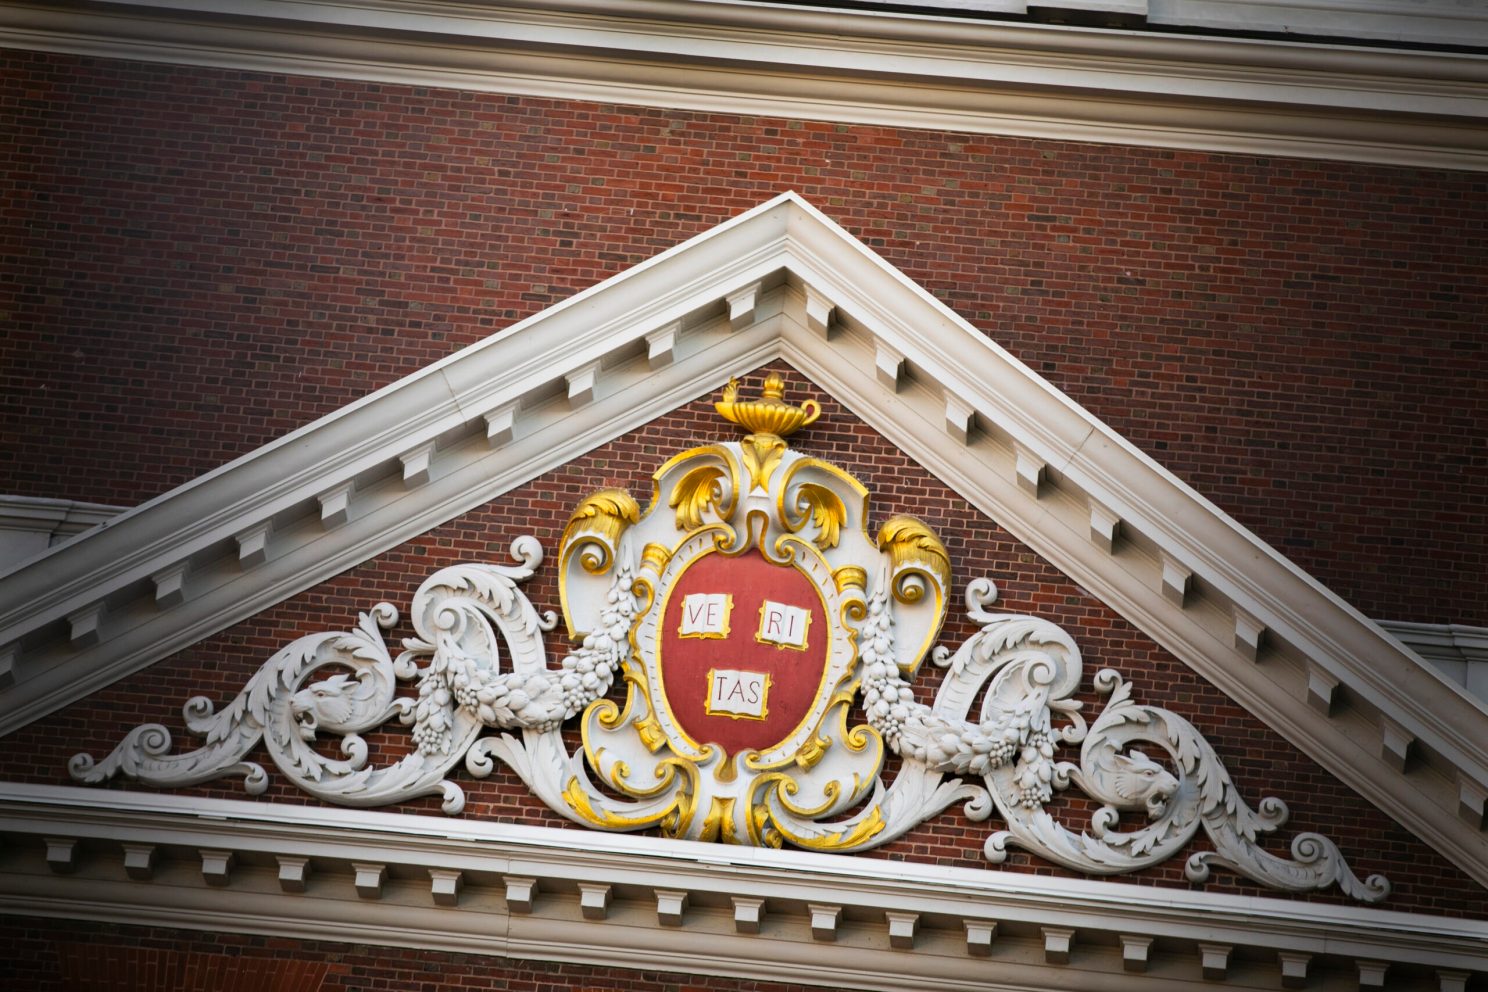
<point x="779" y="282"/>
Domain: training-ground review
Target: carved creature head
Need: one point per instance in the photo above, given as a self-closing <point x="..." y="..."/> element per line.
<point x="329" y="702"/>
<point x="1138" y="781"/>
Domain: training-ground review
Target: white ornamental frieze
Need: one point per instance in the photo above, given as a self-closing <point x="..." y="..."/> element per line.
<point x="766" y="638"/>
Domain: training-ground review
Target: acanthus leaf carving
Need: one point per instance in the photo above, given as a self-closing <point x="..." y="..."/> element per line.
<point x="697" y="492"/>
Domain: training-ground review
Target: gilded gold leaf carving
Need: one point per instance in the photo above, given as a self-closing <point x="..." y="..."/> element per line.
<point x="762" y="455"/>
<point x="913" y="547"/>
<point x="826" y="511"/>
<point x="603" y="515"/>
<point x="698" y="489"/>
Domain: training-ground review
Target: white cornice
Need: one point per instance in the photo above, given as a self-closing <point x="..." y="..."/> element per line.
<point x="1423" y="22"/>
<point x="55" y="517"/>
<point x="249" y="845"/>
<point x="29" y="525"/>
<point x="1447" y="641"/>
<point x="1248" y="620"/>
<point x="1458" y="651"/>
<point x="1427" y="22"/>
<point x="1261" y="97"/>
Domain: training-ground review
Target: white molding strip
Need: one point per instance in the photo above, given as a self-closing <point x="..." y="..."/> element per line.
<point x="1447" y="641"/>
<point x="29" y="525"/>
<point x="785" y="245"/>
<point x="1458" y="651"/>
<point x="1422" y="22"/>
<point x="1417" y="108"/>
<point x="391" y="879"/>
<point x="57" y="517"/>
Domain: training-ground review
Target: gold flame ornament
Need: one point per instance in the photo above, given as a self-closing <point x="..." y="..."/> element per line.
<point x="769" y="421"/>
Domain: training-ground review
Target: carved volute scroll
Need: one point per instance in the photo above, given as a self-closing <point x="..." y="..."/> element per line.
<point x="765" y="636"/>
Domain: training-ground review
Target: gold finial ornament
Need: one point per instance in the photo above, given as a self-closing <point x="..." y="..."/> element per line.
<point x="769" y="414"/>
<point x="769" y="421"/>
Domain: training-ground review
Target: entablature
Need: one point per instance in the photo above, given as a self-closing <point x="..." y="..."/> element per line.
<point x="1402" y="105"/>
<point x="520" y="891"/>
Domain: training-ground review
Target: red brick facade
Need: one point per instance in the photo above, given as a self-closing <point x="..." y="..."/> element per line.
<point x="1261" y="762"/>
<point x="200" y="260"/>
<point x="53" y="956"/>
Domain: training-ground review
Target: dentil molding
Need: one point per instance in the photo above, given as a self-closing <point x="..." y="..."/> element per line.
<point x="502" y="889"/>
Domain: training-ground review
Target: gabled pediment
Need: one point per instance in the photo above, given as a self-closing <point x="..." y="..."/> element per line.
<point x="781" y="281"/>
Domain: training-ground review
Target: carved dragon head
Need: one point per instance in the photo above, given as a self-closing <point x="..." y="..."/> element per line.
<point x="330" y="702"/>
<point x="1139" y="782"/>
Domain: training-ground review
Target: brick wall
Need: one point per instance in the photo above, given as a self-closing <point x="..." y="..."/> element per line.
<point x="67" y="956"/>
<point x="198" y="261"/>
<point x="1261" y="762"/>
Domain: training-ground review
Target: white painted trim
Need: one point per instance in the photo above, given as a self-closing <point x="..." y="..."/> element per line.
<point x="874" y="67"/>
<point x="1312" y="637"/>
<point x="1458" y="651"/>
<point x="653" y="886"/>
<point x="30" y="525"/>
<point x="1425" y="22"/>
<point x="57" y="517"/>
<point x="1441" y="641"/>
<point x="1422" y="22"/>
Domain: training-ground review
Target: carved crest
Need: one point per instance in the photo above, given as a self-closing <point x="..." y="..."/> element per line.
<point x="752" y="567"/>
<point x="765" y="636"/>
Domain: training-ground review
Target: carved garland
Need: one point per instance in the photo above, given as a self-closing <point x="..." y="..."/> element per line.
<point x="820" y="786"/>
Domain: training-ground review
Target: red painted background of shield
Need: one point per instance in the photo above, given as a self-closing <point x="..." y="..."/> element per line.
<point x="796" y="675"/>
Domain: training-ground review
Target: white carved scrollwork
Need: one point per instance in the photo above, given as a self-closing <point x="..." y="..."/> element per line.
<point x="815" y="783"/>
<point x="459" y="686"/>
<point x="279" y="708"/>
<point x="1033" y="668"/>
<point x="1025" y="669"/>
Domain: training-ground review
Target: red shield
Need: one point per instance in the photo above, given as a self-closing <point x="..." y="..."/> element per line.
<point x="743" y="650"/>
